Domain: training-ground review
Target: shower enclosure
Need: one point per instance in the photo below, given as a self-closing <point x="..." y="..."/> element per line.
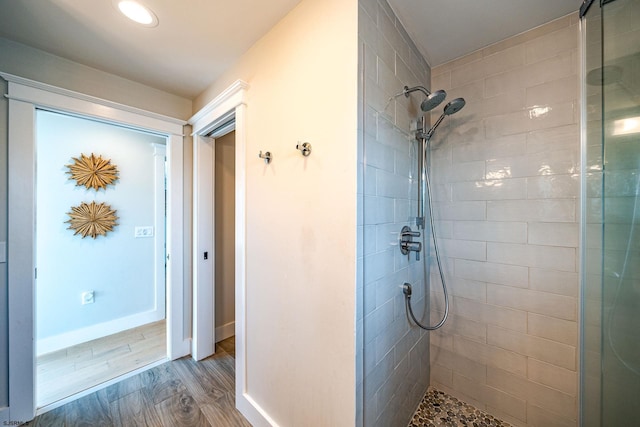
<point x="610" y="365"/>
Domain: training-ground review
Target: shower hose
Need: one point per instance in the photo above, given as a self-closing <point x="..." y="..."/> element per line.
<point x="406" y="289"/>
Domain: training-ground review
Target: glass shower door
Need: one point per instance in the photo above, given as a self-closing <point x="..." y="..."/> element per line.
<point x="611" y="310"/>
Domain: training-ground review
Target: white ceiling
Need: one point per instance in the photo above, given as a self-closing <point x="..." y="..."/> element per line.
<point x="447" y="29"/>
<point x="197" y="40"/>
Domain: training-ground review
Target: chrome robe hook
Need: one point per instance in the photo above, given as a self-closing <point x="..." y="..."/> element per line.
<point x="266" y="156"/>
<point x="305" y="148"/>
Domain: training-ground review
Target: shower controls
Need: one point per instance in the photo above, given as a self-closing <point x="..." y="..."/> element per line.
<point x="407" y="244"/>
<point x="305" y="148"/>
<point x="406" y="289"/>
<point x="266" y="156"/>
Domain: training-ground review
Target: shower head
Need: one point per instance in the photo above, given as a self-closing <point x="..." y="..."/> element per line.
<point x="449" y="109"/>
<point x="433" y="99"/>
<point x="454" y="106"/>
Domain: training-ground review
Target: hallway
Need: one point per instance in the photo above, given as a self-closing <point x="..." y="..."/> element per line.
<point x="178" y="393"/>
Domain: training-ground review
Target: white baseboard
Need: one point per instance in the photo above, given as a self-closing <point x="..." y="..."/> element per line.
<point x="68" y="339"/>
<point x="256" y="416"/>
<point x="225" y="331"/>
<point x="183" y="349"/>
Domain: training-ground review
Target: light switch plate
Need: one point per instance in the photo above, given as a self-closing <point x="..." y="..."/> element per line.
<point x="3" y="251"/>
<point x="143" y="232"/>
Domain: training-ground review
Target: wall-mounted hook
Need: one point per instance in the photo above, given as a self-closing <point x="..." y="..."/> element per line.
<point x="266" y="156"/>
<point x="304" y="147"/>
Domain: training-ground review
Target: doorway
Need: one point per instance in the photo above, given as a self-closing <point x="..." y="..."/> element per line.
<point x="228" y="110"/>
<point x="25" y="98"/>
<point x="100" y="284"/>
<point x="215" y="190"/>
<point x="224" y="220"/>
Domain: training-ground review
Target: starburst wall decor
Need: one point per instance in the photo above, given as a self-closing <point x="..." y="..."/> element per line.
<point x="92" y="171"/>
<point x="92" y="219"/>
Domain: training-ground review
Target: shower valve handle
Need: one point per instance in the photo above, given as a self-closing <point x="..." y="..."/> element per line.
<point x="407" y="244"/>
<point x="411" y="246"/>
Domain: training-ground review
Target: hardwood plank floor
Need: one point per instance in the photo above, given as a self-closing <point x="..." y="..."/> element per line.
<point x="182" y="393"/>
<point x="71" y="370"/>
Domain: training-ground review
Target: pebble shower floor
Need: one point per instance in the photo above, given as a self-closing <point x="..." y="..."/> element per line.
<point x="439" y="409"/>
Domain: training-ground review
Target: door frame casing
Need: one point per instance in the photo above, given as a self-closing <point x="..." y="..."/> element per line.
<point x="25" y="96"/>
<point x="229" y="104"/>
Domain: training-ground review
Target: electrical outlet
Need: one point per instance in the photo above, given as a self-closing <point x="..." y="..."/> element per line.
<point x="143" y="232"/>
<point x="88" y="297"/>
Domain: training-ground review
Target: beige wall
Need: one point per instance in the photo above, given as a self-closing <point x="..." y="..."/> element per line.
<point x="34" y="64"/>
<point x="301" y="214"/>
<point x="506" y="177"/>
<point x="225" y="200"/>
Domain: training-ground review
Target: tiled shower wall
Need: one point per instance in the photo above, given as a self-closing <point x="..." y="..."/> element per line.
<point x="395" y="359"/>
<point x="506" y="176"/>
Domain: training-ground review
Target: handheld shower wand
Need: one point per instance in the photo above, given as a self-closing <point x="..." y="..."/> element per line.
<point x="425" y="138"/>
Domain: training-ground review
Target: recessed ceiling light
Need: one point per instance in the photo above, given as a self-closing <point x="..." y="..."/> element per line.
<point x="137" y="12"/>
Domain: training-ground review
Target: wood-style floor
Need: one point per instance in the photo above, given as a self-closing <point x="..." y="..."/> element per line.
<point x="74" y="369"/>
<point x="182" y="393"/>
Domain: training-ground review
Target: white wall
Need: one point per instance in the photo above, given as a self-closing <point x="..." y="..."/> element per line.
<point x="118" y="267"/>
<point x="301" y="214"/>
<point x="225" y="236"/>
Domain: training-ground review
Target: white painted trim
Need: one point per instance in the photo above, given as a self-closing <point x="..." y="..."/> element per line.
<point x="244" y="402"/>
<point x="177" y="344"/>
<point x="100" y="330"/>
<point x="160" y="226"/>
<point x="233" y="99"/>
<point x="23" y="101"/>
<point x="61" y="402"/>
<point x="104" y="111"/>
<point x="257" y="416"/>
<point x="88" y="98"/>
<point x="225" y="331"/>
<point x="210" y="113"/>
<point x="21" y="251"/>
<point x="203" y="243"/>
